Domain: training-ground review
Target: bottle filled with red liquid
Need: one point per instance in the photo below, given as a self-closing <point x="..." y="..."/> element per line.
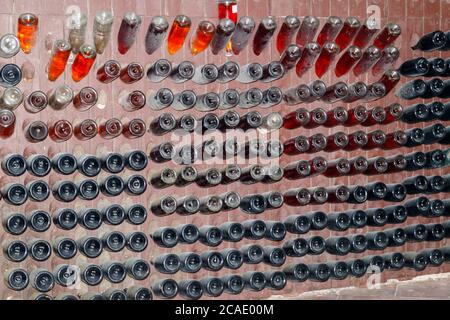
<point x="7" y="123"/>
<point x="347" y="61"/>
<point x="356" y="91"/>
<point x="296" y="119"/>
<point x="326" y="58"/>
<point x="387" y="36"/>
<point x="287" y="32"/>
<point x="85" y="130"/>
<point x="356" y="140"/>
<point x="178" y="33"/>
<point x="60" y="130"/>
<point x="375" y="139"/>
<point x="290" y="57"/>
<point x="388" y="58"/>
<point x="307" y="31"/>
<point x="356" y="116"/>
<point x="85" y="99"/>
<point x="27" y="27"/>
<point x="60" y="54"/>
<point x="348" y="32"/>
<point x="376" y="116"/>
<point x="35" y="102"/>
<point x="202" y="37"/>
<point x="309" y="56"/>
<point x="263" y="34"/>
<point x="366" y="33"/>
<point x="109" y="129"/>
<point x="128" y="31"/>
<point x="317" y="118"/>
<point x="109" y="72"/>
<point x="297" y="145"/>
<point x="337" y="141"/>
<point x="83" y="62"/>
<point x="134" y="128"/>
<point x="336" y="116"/>
<point x="370" y="56"/>
<point x="394" y="112"/>
<point x="396" y="139"/>
<point x="390" y="79"/>
<point x="132" y="73"/>
<point x="330" y="30"/>
<point x="228" y="9"/>
<point x="338" y="168"/>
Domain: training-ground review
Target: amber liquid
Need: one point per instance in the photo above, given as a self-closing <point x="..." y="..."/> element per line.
<point x="27" y="31"/>
<point x="177" y="36"/>
<point x="57" y="64"/>
<point x="81" y="66"/>
<point x="202" y="38"/>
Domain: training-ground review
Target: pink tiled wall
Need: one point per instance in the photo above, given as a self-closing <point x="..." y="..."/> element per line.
<point x="416" y="17"/>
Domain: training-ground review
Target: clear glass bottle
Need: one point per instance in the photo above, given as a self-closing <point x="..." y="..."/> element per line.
<point x="77" y="30"/>
<point x="103" y="21"/>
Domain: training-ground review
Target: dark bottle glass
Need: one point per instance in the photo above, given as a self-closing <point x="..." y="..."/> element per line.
<point x="274" y="256"/>
<point x="190" y="262"/>
<point x="254" y="281"/>
<point x="209" y="123"/>
<point x="416" y="161"/>
<point x="431" y="41"/>
<point x="415" y="67"/>
<point x="394" y="261"/>
<point x="436" y="184"/>
<point x="254" y="229"/>
<point x="90" y="219"/>
<point x="159" y="71"/>
<point x="275" y="230"/>
<point x="39" y="165"/>
<point x="65" y="191"/>
<point x="88" y="189"/>
<point x="38" y="190"/>
<point x="274" y="199"/>
<point x="229" y="98"/>
<point x="233" y="284"/>
<point x="115" y="272"/>
<point x="358" y="194"/>
<point x="233" y="258"/>
<point x="435" y="232"/>
<point x="290" y="57"/>
<point x="113" y="241"/>
<point x="435" y="256"/>
<point x="210" y="236"/>
<point x="437" y="68"/>
<point x="136" y="160"/>
<point x="212" y="260"/>
<point x="163" y="179"/>
<point x="65" y="218"/>
<point x="253" y="204"/>
<point x="135" y="214"/>
<point x="186" y="175"/>
<point x="163" y="124"/>
<point x="40" y="250"/>
<point x="182" y="72"/>
<point x="434" y="88"/>
<point x="232" y="231"/>
<point x="418" y="206"/>
<point x="91" y="274"/>
<point x="316" y="245"/>
<point x="416" y="185"/>
<point x="228" y="72"/>
<point x="36" y="131"/>
<point x="296" y="247"/>
<point x="190" y="289"/>
<point x="358" y="218"/>
<point x="263" y="34"/>
<point x="168" y="263"/>
<point x="396" y="237"/>
<point x="112" y="162"/>
<point x="65" y="248"/>
<point x="335" y="93"/>
<point x="188" y="233"/>
<point x="434" y="133"/>
<point x="416" y="233"/>
<point x="139" y="293"/>
<point x="376" y="217"/>
<point x="437" y="208"/>
<point x="112" y="186"/>
<point x="435" y="159"/>
<point x="165" y="237"/>
<point x="15" y="250"/>
<point x="188" y="205"/>
<point x="415" y="260"/>
<point x="358" y="243"/>
<point x="307" y="31"/>
<point x="297" y="197"/>
<point x="416" y="113"/>
<point x="319" y="272"/>
<point x="339" y="221"/>
<point x="272" y="71"/>
<point x="395" y="193"/>
<point x="275" y="280"/>
<point x="64" y="163"/>
<point x="376" y="191"/>
<point x="338" y="245"/>
<point x="16" y="279"/>
<point x="297" y="272"/>
<point x="89" y="165"/>
<point x="377" y="241"/>
<point x="337" y="168"/>
<point x="298" y="224"/>
<point x="252" y="253"/>
<point x="14" y="165"/>
<point x="135" y="185"/>
<point x="164" y="206"/>
<point x="212" y="287"/>
<point x="137" y="241"/>
<point x="163" y="152"/>
<point x="355" y="92"/>
<point x="412" y="90"/>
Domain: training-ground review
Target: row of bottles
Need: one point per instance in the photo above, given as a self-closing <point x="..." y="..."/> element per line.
<point x="434" y="88"/>
<point x="65" y="275"/>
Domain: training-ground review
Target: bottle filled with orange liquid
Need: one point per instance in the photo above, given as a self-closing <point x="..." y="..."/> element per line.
<point x="203" y="36"/>
<point x="83" y="62"/>
<point x="27" y="31"/>
<point x="178" y="32"/>
<point x="228" y="9"/>
<point x="60" y="55"/>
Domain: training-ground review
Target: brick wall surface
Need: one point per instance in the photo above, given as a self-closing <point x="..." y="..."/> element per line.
<point x="416" y="17"/>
